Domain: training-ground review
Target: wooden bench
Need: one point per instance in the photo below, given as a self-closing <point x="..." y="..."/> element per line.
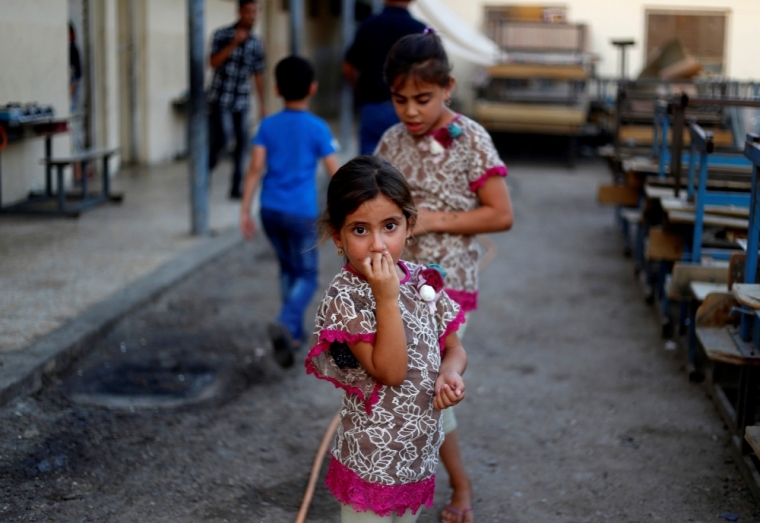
<point x="752" y="435"/>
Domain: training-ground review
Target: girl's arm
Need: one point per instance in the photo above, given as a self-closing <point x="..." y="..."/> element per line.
<point x="449" y="387"/>
<point x="493" y="215"/>
<point x="387" y="360"/>
<point x="252" y="179"/>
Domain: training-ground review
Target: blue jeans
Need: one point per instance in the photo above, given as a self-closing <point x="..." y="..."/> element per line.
<point x="224" y="126"/>
<point x="374" y="120"/>
<point x="294" y="240"/>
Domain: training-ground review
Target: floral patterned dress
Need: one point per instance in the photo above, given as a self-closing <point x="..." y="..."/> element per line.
<point x="386" y="447"/>
<point x="445" y="169"/>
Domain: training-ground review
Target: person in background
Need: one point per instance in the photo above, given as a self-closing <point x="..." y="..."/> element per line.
<point x="75" y="78"/>
<point x="290" y="144"/>
<point x="363" y="68"/>
<point x="75" y="69"/>
<point x="235" y="55"/>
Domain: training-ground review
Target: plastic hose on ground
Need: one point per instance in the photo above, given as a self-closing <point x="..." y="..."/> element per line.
<point x="315" y="468"/>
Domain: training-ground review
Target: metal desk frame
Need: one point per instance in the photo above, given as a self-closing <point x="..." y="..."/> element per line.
<point x="28" y="130"/>
<point x="66" y="204"/>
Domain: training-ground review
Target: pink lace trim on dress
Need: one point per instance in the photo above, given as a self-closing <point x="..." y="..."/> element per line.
<point x="383" y="500"/>
<point x="499" y="170"/>
<point x="326" y="337"/>
<point x="467" y="300"/>
<point x="453" y="326"/>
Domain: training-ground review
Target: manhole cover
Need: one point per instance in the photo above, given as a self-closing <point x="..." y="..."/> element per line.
<point x="148" y="383"/>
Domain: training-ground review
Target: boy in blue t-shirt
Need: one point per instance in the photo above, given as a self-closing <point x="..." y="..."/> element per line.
<point x="290" y="143"/>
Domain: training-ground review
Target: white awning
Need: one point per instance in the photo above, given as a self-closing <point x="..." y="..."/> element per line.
<point x="460" y="39"/>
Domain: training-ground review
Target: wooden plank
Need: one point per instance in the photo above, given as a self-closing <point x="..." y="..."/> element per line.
<point x="631" y="215"/>
<point x="747" y="294"/>
<point x="643" y="135"/>
<point x="640" y="165"/>
<point x="752" y="435"/>
<point x="530" y="114"/>
<point x="712" y="183"/>
<point x="680" y="204"/>
<point x="736" y="264"/>
<point x="606" y="151"/>
<point x="700" y="289"/>
<point x="538" y="128"/>
<point x="91" y="154"/>
<point x="719" y="346"/>
<point x="710" y="220"/>
<point x="634" y="180"/>
<point x="684" y="273"/>
<point x="618" y="195"/>
<point x="540" y="71"/>
<point x="715" y="310"/>
<point x="663" y="246"/>
<point x="657" y="192"/>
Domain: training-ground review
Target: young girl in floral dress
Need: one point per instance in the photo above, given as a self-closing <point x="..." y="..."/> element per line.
<point x="385" y="332"/>
<point x="456" y="178"/>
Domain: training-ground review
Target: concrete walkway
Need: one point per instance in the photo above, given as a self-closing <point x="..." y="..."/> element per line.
<point x="52" y="269"/>
<point x="65" y="282"/>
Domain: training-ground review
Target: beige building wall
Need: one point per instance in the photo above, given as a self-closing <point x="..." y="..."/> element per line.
<point x="165" y="80"/>
<point x="322" y="45"/>
<point x="41" y="66"/>
<point x="164" y="73"/>
<point x="617" y="19"/>
<point x="105" y="121"/>
<point x="35" y="68"/>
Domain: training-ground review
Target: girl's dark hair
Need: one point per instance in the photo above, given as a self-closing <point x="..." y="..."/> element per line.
<point x="361" y="180"/>
<point x="420" y="56"/>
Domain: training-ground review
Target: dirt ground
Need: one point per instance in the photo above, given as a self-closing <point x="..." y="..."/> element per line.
<point x="575" y="411"/>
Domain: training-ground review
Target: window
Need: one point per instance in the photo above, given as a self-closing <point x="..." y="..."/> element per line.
<point x="702" y="34"/>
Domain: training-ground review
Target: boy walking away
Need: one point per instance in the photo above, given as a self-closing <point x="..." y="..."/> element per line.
<point x="290" y="145"/>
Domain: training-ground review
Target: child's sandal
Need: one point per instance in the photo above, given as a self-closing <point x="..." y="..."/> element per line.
<point x="458" y="513"/>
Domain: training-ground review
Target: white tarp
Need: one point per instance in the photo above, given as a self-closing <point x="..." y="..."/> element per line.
<point x="460" y="39"/>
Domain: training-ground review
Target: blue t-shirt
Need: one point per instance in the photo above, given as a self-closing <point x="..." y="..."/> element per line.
<point x="295" y="141"/>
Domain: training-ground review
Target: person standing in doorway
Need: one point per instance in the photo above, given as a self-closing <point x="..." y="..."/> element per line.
<point x="75" y="98"/>
<point x="363" y="68"/>
<point x="236" y="55"/>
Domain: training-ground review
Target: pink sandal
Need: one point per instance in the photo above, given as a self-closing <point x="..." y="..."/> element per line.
<point x="458" y="513"/>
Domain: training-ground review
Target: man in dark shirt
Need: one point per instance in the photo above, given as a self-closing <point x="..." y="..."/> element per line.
<point x="363" y="68"/>
<point x="235" y="55"/>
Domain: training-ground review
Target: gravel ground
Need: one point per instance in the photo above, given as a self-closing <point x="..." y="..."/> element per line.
<point x="575" y="412"/>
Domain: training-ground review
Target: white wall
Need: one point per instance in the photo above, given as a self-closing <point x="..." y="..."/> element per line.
<point x="35" y="68"/>
<point x="164" y="73"/>
<point x="165" y="78"/>
<point x="106" y="81"/>
<point x="616" y="19"/>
